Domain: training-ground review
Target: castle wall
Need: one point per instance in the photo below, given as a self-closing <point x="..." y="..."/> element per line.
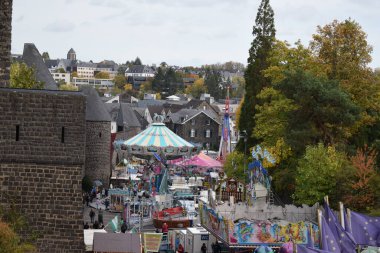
<point x="42" y="155"/>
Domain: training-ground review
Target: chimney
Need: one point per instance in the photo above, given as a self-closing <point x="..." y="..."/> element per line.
<point x="5" y="41"/>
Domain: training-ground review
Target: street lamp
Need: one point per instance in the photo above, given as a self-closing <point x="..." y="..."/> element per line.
<point x="245" y="136"/>
<point x="207" y="146"/>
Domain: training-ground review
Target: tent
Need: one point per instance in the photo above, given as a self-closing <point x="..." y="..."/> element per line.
<point x="200" y="160"/>
<point x="157" y="139"/>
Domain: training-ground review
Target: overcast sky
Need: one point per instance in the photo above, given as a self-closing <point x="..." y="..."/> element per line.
<point x="180" y="32"/>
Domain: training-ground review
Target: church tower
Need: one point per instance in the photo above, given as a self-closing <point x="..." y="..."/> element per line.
<point x="71" y="55"/>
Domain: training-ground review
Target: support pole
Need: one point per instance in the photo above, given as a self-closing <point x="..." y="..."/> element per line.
<point x="319" y="215"/>
<point x="341" y="215"/>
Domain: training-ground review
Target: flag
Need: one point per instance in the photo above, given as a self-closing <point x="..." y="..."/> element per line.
<point x="365" y="229"/>
<point x="329" y="242"/>
<point x="346" y="241"/>
<point x="114" y="224"/>
<point x="305" y="249"/>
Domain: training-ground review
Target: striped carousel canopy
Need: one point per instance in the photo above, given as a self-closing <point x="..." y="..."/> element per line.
<point x="158" y="139"/>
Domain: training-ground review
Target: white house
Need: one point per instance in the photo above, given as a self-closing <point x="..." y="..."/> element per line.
<point x="139" y="71"/>
<point x="58" y="77"/>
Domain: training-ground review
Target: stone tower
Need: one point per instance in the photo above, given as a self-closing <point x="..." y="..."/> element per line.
<point x="5" y="41"/>
<point x="98" y="138"/>
<point x="71" y="55"/>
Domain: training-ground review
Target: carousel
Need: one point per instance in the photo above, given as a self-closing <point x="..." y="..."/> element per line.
<point x="155" y="145"/>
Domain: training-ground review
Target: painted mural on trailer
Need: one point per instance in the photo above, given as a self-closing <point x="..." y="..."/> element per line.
<point x="250" y="232"/>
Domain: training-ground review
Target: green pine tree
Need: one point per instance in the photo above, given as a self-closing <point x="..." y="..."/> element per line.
<point x="264" y="38"/>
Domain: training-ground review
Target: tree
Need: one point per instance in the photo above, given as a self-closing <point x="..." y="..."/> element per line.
<point x="197" y="88"/>
<point x="68" y="87"/>
<point x="22" y="76"/>
<point x="120" y="80"/>
<point x="272" y="121"/>
<point x="128" y="87"/>
<point x="10" y="241"/>
<point x="362" y="193"/>
<point x="213" y="82"/>
<point x="317" y="173"/>
<point x="324" y="111"/>
<point x="102" y="75"/>
<point x="137" y="61"/>
<point x="343" y="48"/>
<point x="234" y="165"/>
<point x="264" y="37"/>
<point x="61" y="70"/>
<point x="159" y="80"/>
<point x="239" y="92"/>
<point x="121" y="70"/>
<point x="45" y="56"/>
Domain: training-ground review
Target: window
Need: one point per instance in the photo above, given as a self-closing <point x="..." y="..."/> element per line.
<point x="100" y="134"/>
<point x="193" y="122"/>
<point x="208" y="133"/>
<point x="63" y="135"/>
<point x="192" y="133"/>
<point x="208" y="122"/>
<point x="17" y="132"/>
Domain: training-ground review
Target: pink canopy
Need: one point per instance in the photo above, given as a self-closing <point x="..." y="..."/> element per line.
<point x="200" y="160"/>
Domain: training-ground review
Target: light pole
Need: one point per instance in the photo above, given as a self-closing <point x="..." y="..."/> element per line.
<point x="244" y="135"/>
<point x="207" y="147"/>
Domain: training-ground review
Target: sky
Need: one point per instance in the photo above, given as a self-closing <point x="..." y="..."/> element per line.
<point x="179" y="32"/>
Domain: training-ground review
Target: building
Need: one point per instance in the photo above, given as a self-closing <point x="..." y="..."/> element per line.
<point x="86" y="69"/>
<point x="100" y="83"/>
<point x="71" y="55"/>
<point x="61" y="77"/>
<point x="139" y="71"/>
<point x="138" y="74"/>
<point x="200" y="127"/>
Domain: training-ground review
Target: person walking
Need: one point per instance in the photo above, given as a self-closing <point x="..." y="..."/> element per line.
<point x="100" y="216"/>
<point x="87" y="198"/>
<point x="204" y="248"/>
<point x="92" y="215"/>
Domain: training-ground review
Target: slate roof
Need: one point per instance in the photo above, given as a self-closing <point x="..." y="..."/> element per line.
<point x="143" y="122"/>
<point x="145" y="103"/>
<point x="139" y="69"/>
<point x="155" y="109"/>
<point x="127" y="115"/>
<point x="86" y="65"/>
<point x="95" y="108"/>
<point x="194" y="103"/>
<point x="51" y="63"/>
<point x="180" y="116"/>
<point x="32" y="57"/>
<point x="71" y="51"/>
<point x="113" y="109"/>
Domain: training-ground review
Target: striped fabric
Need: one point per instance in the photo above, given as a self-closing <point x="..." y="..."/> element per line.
<point x="159" y="136"/>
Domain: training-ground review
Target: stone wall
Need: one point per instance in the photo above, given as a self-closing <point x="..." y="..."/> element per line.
<point x="42" y="156"/>
<point x="42" y="118"/>
<point x="5" y="41"/>
<point x="98" y="145"/>
<point x="50" y="197"/>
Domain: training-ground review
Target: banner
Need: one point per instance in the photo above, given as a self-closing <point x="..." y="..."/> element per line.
<point x="254" y="232"/>
<point x="152" y="242"/>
